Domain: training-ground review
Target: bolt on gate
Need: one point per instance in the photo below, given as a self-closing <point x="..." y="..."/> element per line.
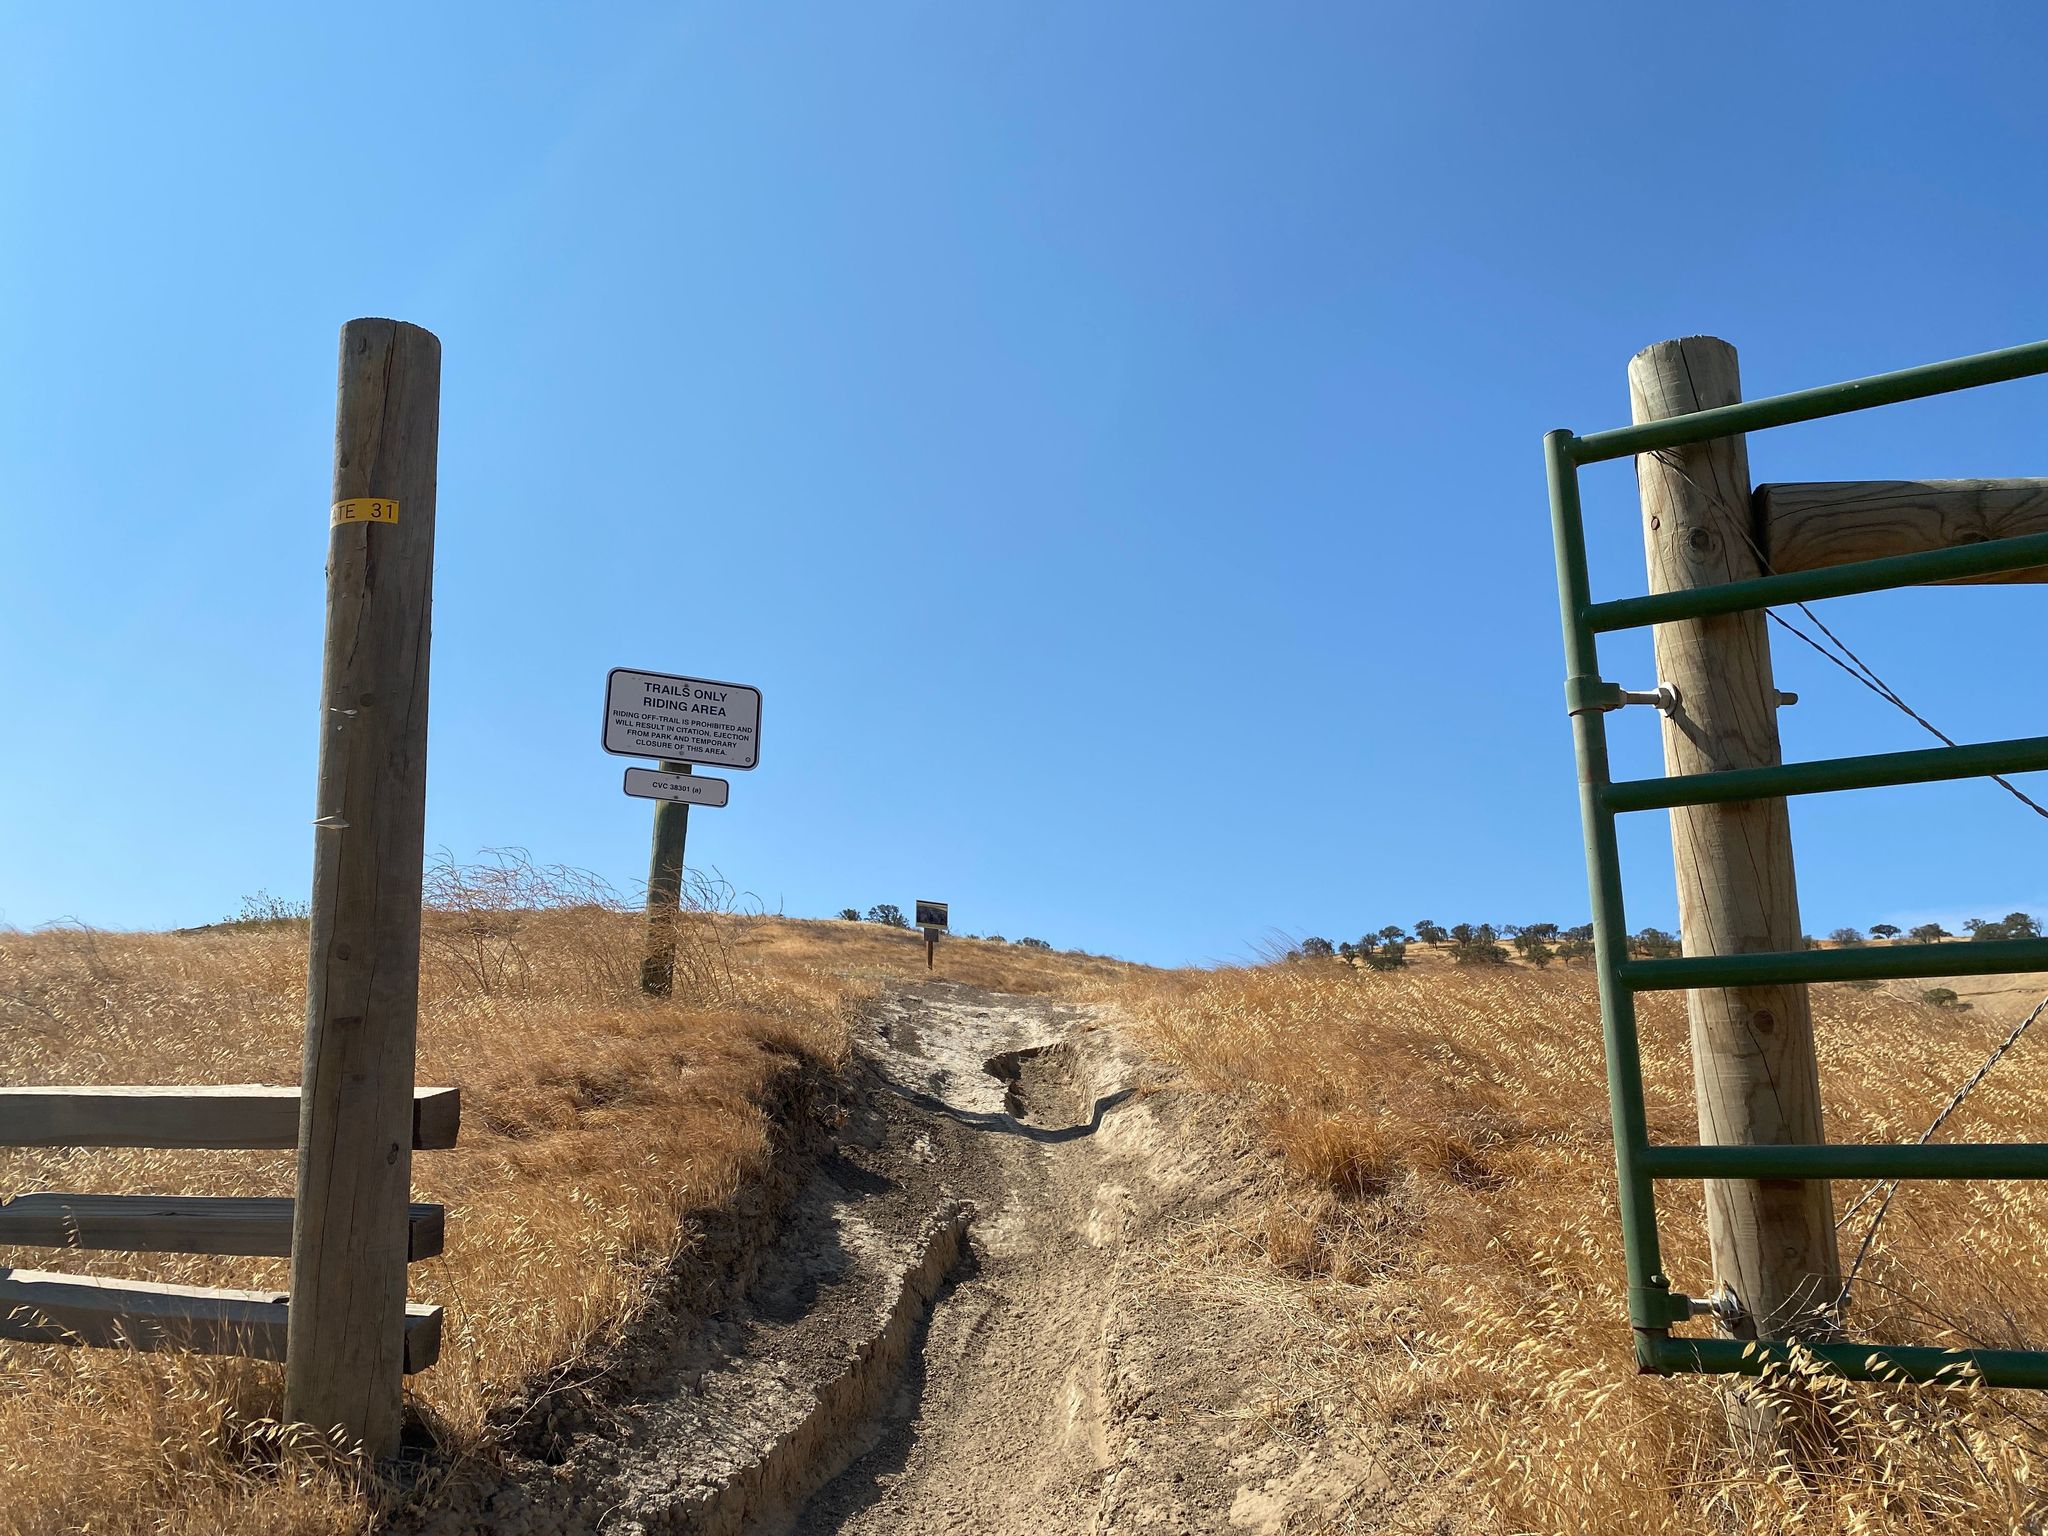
<point x="1847" y="568"/>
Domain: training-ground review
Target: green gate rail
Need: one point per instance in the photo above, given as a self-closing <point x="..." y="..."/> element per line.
<point x="1653" y="1305"/>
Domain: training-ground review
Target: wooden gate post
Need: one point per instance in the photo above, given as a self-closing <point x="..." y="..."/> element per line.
<point x="345" y="1322"/>
<point x="665" y="891"/>
<point x="1773" y="1240"/>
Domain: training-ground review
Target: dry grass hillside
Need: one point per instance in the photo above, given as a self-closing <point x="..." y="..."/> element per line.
<point x="1446" y="1233"/>
<point x="596" y="1128"/>
<point x="1442" y="1234"/>
<point x="599" y="1130"/>
<point x="869" y="952"/>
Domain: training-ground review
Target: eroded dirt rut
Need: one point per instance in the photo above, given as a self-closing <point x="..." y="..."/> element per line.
<point x="1002" y="1426"/>
<point x="967" y="1320"/>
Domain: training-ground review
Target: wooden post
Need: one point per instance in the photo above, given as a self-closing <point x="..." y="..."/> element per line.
<point x="345" y="1357"/>
<point x="931" y="945"/>
<point x="665" y="891"/>
<point x="1752" y="1047"/>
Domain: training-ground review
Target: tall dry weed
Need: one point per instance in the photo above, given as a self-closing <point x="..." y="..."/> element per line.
<point x="1450" y="1221"/>
<point x="598" y="1127"/>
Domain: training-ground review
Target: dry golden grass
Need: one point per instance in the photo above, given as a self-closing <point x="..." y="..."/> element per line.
<point x="1450" y="1227"/>
<point x="870" y="951"/>
<point x="595" y="1127"/>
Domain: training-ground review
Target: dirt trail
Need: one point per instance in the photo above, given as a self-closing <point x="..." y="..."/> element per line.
<point x="968" y="1319"/>
<point x="1067" y="1382"/>
<point x="1002" y="1426"/>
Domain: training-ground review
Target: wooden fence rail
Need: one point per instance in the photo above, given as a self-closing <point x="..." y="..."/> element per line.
<point x="1812" y="526"/>
<point x="243" y="1116"/>
<point x="39" y="1307"/>
<point x="258" y="1226"/>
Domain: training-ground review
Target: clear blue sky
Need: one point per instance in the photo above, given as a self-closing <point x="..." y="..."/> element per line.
<point x="1108" y="434"/>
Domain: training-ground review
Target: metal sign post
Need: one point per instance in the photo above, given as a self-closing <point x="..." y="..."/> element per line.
<point x="931" y="917"/>
<point x="682" y="721"/>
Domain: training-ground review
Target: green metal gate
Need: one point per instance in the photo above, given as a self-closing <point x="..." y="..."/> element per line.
<point x="1653" y="1305"/>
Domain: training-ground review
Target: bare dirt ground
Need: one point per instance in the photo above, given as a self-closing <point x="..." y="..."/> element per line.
<point x="969" y="1318"/>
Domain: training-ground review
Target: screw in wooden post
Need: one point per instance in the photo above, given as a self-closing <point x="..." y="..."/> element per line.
<point x="1752" y="1047"/>
<point x="345" y="1323"/>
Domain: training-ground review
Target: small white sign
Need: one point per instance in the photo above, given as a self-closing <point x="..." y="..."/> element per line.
<point x="681" y="719"/>
<point x="685" y="788"/>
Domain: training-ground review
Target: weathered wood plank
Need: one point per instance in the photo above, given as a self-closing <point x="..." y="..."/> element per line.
<point x="238" y="1116"/>
<point x="1810" y="526"/>
<point x="38" y="1306"/>
<point x="259" y="1226"/>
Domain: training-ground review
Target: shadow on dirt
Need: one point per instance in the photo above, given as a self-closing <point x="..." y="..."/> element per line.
<point x="1007" y="1124"/>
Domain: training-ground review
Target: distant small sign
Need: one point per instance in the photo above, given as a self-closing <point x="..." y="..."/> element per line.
<point x="684" y="788"/>
<point x="681" y="719"/>
<point x="932" y="914"/>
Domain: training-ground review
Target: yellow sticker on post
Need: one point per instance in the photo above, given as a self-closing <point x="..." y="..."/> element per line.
<point x="365" y="509"/>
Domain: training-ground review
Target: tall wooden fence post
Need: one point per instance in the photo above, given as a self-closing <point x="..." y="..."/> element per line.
<point x="1752" y="1047"/>
<point x="665" y="891"/>
<point x="345" y="1322"/>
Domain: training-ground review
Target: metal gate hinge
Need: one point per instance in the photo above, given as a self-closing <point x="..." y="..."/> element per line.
<point x="1587" y="694"/>
<point x="1656" y="1307"/>
<point x="1590" y="695"/>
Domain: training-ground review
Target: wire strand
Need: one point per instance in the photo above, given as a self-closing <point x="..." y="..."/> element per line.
<point x="1891" y="1186"/>
<point x="1877" y="685"/>
<point x="1854" y="664"/>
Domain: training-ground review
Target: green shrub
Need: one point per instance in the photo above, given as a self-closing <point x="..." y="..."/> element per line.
<point x="1391" y="955"/>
